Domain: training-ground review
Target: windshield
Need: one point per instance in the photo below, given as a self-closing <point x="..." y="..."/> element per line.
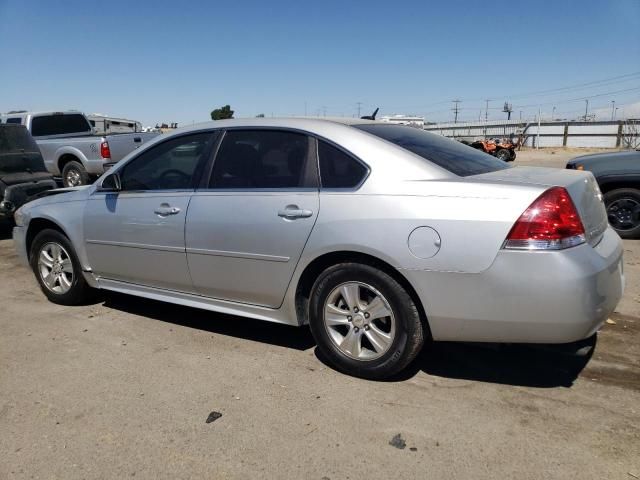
<point x="449" y="154"/>
<point x="18" y="151"/>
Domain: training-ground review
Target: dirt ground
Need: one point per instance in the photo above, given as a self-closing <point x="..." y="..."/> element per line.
<point x="123" y="389"/>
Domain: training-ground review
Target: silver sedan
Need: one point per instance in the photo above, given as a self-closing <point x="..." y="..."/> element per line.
<point x="380" y="237"/>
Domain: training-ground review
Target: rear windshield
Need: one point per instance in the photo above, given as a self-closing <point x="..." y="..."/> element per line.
<point x="59" y="124"/>
<point x="449" y="154"/>
<point x="18" y="151"/>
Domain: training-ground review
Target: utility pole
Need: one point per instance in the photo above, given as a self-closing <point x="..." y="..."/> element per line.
<point x="359" y="104"/>
<point x="553" y="113"/>
<point x="521" y="115"/>
<point x="508" y="108"/>
<point x="324" y="111"/>
<point x="455" y="110"/>
<point x="538" y="139"/>
<point x="305" y="109"/>
<point x="613" y="109"/>
<point x="486" y="110"/>
<point x="586" y="110"/>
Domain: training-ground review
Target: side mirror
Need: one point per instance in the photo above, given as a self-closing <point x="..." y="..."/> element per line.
<point x="111" y="183"/>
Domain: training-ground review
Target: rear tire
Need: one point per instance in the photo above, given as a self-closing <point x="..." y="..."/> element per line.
<point x="74" y="174"/>
<point x="513" y="155"/>
<point x="623" y="211"/>
<point x="503" y="154"/>
<point x="57" y="269"/>
<point x="364" y="322"/>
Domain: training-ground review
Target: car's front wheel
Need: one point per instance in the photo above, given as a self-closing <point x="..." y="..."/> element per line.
<point x="364" y="322"/>
<point x="57" y="269"/>
<point x="623" y="211"/>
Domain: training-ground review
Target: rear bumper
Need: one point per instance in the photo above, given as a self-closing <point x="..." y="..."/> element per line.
<point x="526" y="297"/>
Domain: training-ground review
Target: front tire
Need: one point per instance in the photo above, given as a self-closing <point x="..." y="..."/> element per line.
<point x="623" y="211"/>
<point x="74" y="174"/>
<point x="364" y="322"/>
<point x="57" y="269"/>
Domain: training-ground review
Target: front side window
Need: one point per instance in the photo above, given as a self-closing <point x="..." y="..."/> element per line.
<point x="451" y="155"/>
<point x="59" y="125"/>
<point x="251" y="159"/>
<point x="16" y="120"/>
<point x="170" y="165"/>
<point x="338" y="169"/>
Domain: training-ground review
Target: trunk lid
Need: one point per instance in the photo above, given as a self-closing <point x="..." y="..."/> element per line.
<point x="581" y="186"/>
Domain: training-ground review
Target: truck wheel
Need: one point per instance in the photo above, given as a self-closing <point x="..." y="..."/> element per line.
<point x="503" y="154"/>
<point x="623" y="211"/>
<point x="513" y="155"/>
<point x="74" y="174"/>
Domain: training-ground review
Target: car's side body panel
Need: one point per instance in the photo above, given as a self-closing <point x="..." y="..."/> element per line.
<point x="126" y="240"/>
<point x="240" y="249"/>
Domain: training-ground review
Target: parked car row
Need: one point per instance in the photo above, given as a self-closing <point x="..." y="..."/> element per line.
<point x="69" y="147"/>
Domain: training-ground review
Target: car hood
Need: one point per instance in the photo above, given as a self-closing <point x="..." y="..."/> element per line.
<point x="60" y="195"/>
<point x="604" y="157"/>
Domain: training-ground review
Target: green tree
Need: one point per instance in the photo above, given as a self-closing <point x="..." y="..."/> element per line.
<point x="222" y="113"/>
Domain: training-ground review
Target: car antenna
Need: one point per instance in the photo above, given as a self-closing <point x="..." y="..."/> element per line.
<point x="372" y="116"/>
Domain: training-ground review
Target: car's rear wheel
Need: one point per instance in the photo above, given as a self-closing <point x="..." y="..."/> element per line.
<point x="57" y="269"/>
<point x="364" y="322"/>
<point x="623" y="211"/>
<point x="74" y="174"/>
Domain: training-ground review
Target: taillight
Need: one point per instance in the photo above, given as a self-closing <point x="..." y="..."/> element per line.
<point x="550" y="223"/>
<point x="104" y="150"/>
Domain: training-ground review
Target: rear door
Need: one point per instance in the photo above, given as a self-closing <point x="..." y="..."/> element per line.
<point x="246" y="228"/>
<point x="136" y="235"/>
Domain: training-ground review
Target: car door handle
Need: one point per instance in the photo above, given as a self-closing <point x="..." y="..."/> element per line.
<point x="164" y="210"/>
<point x="294" y="212"/>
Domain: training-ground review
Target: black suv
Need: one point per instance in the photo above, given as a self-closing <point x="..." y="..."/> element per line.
<point x="22" y="172"/>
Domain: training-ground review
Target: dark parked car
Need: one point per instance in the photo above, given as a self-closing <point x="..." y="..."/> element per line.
<point x="22" y="171"/>
<point x="618" y="175"/>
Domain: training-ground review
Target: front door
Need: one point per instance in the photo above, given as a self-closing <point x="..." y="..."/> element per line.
<point x="246" y="231"/>
<point x="136" y="235"/>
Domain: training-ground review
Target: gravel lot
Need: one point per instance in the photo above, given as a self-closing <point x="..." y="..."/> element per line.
<point x="122" y="388"/>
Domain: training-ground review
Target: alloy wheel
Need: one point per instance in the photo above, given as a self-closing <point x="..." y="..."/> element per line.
<point x="624" y="213"/>
<point x="359" y="321"/>
<point x="55" y="268"/>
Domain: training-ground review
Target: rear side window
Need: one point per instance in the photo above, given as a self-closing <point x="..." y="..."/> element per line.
<point x="449" y="154"/>
<point x="59" y="125"/>
<point x="337" y="169"/>
<point x="16" y="120"/>
<point x="263" y="159"/>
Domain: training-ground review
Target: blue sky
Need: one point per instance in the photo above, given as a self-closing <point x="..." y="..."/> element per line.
<point x="174" y="61"/>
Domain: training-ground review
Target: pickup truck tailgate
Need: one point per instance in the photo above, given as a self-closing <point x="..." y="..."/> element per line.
<point x="121" y="144"/>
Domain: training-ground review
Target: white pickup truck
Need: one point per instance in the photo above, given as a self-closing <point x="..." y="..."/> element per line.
<point x="69" y="147"/>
